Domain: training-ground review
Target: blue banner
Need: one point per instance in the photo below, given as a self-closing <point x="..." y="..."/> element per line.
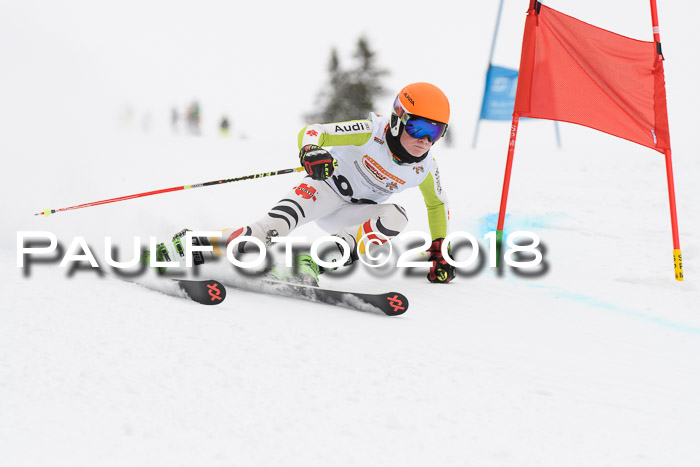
<point x="499" y="94"/>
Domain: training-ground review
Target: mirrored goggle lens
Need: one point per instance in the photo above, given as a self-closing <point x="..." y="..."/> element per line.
<point x="419" y="127"/>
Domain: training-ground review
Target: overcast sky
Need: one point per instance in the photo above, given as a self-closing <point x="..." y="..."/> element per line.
<point x="263" y="63"/>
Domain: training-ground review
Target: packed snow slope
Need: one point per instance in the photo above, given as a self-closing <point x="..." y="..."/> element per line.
<point x="589" y="360"/>
<point x="593" y="361"/>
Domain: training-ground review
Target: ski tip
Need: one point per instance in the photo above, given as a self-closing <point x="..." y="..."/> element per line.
<point x="216" y="292"/>
<point x="396" y="304"/>
<point x="207" y="292"/>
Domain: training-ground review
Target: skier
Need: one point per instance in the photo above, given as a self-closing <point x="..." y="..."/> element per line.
<point x="347" y="186"/>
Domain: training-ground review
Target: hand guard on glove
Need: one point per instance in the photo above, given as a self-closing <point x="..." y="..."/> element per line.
<point x="440" y="271"/>
<point x="317" y="162"/>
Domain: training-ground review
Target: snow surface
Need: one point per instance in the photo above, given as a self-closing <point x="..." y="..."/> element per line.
<point x="592" y="362"/>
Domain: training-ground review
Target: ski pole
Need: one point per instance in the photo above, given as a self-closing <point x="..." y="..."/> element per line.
<point x="48" y="212"/>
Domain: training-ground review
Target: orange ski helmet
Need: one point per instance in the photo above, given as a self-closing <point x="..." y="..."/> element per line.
<point x="421" y="109"/>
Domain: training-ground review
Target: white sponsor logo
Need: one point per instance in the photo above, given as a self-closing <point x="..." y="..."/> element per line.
<point x="357" y="127"/>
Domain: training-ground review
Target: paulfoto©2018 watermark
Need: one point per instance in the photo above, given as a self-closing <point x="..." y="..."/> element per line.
<point x="43" y="246"/>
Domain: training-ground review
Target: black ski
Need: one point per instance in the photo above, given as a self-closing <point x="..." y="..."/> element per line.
<point x="212" y="292"/>
<point x="209" y="292"/>
<point x="391" y="303"/>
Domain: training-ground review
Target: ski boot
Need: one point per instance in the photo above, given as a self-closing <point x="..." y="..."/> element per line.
<point x="162" y="255"/>
<point x="304" y="271"/>
<point x="175" y="252"/>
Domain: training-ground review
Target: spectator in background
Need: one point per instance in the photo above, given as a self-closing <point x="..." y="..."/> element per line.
<point x="174" y="120"/>
<point x="224" y="126"/>
<point x="193" y="118"/>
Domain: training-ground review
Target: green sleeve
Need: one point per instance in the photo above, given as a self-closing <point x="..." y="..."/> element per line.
<point x="336" y="134"/>
<point x="437" y="215"/>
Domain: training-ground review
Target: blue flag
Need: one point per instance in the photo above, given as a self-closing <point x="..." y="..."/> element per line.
<point x="499" y="95"/>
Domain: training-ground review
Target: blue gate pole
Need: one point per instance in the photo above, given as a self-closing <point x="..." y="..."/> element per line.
<point x="493" y="48"/>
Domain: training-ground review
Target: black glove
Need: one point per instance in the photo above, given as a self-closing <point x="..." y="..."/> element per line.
<point x="317" y="161"/>
<point x="440" y="271"/>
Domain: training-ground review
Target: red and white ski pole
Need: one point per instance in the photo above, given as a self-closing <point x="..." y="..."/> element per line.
<point x="48" y="212"/>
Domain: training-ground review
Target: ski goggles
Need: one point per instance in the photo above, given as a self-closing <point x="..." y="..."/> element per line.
<point x="418" y="127"/>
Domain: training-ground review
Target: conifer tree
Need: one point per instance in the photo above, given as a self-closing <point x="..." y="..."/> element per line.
<point x="350" y="94"/>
